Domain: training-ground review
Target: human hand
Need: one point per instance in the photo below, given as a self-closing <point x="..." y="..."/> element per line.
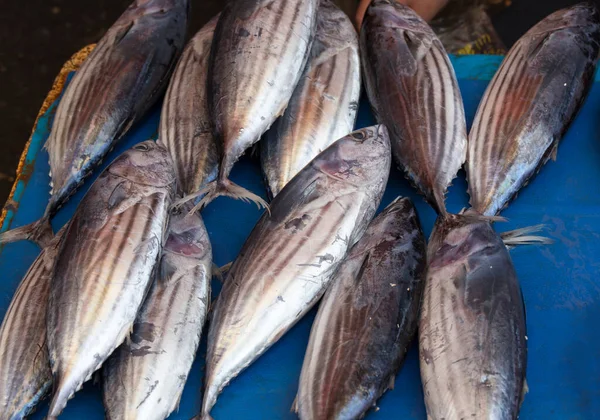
<point x="427" y="9"/>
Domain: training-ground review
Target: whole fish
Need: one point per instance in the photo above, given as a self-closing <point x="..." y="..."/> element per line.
<point x="185" y="127"/>
<point x="144" y="378"/>
<point x="25" y="375"/>
<point x="530" y="103"/>
<point x="413" y="91"/>
<point x="117" y="83"/>
<point x="104" y="265"/>
<point x="258" y="53"/>
<point x="366" y="320"/>
<point x="324" y="105"/>
<point x="472" y="334"/>
<point x="291" y="255"/>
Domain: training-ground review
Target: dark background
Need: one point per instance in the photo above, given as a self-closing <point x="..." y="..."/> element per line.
<point x="38" y="36"/>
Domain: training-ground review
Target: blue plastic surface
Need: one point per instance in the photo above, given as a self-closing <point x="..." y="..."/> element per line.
<point x="561" y="282"/>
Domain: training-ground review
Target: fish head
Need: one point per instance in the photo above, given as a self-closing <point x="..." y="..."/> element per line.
<point x="187" y="235"/>
<point x="357" y="158"/>
<point x="154" y="10"/>
<point x="397" y="28"/>
<point x="146" y="163"/>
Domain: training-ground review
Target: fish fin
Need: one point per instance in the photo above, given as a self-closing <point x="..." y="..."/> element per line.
<point x="523" y="236"/>
<point x="554" y="152"/>
<point x="392" y="382"/>
<point x="524" y="391"/>
<point x="222" y="187"/>
<point x="39" y="232"/>
<point x="122" y="33"/>
<point x="294" y="408"/>
<point x="220" y="272"/>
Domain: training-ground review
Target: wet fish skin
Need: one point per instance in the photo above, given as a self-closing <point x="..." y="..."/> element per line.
<point x="185" y="128"/>
<point x="104" y="266"/>
<point x="413" y="91"/>
<point x="529" y="105"/>
<point x="145" y="377"/>
<point x="291" y="255"/>
<point x="259" y="50"/>
<point x="366" y="320"/>
<point x="25" y="375"/>
<point x="324" y="104"/>
<point x="472" y="333"/>
<point x="122" y="77"/>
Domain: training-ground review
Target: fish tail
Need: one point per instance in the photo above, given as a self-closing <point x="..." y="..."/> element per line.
<point x="223" y="187"/>
<point x="39" y="232"/>
<point x="523" y="236"/>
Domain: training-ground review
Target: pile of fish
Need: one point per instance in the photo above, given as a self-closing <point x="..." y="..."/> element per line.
<point x="124" y="288"/>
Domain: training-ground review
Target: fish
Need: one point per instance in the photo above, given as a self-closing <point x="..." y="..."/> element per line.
<point x="104" y="266"/>
<point x="185" y="128"/>
<point x="259" y="50"/>
<point x="472" y="332"/>
<point x="413" y="90"/>
<point x="25" y="375"/>
<point x="366" y="320"/>
<point x="145" y="377"/>
<point x="324" y="104"/>
<point x="123" y="76"/>
<point x="529" y="105"/>
<point x="292" y="253"/>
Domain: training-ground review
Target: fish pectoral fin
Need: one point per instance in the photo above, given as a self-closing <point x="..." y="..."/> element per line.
<point x="121" y="33"/>
<point x="392" y="382"/>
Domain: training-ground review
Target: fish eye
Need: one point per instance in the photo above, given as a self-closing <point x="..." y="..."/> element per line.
<point x="142" y="147"/>
<point x="359" y="135"/>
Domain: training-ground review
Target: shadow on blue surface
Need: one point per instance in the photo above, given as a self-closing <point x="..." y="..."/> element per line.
<point x="561" y="282"/>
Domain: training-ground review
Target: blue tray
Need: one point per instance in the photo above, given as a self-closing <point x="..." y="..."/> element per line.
<point x="561" y="282"/>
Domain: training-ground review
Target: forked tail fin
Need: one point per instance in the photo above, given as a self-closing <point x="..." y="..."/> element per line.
<point x="524" y="236"/>
<point x="39" y="232"/>
<point x="222" y="187"/>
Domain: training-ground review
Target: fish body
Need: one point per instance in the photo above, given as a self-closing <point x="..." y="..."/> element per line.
<point x="530" y="103"/>
<point x="324" y="104"/>
<point x="291" y="255"/>
<point x="122" y="77"/>
<point x="104" y="266"/>
<point x="145" y="377"/>
<point x="413" y="91"/>
<point x="185" y="127"/>
<point x="259" y="50"/>
<point x="366" y="320"/>
<point x="25" y="375"/>
<point x="472" y="333"/>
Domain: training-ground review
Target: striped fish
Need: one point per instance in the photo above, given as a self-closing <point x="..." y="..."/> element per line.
<point x="104" y="266"/>
<point x="413" y="91"/>
<point x="25" y="375"/>
<point x="291" y="255"/>
<point x="366" y="320"/>
<point x="324" y="105"/>
<point x="185" y="127"/>
<point x="257" y="56"/>
<point x="530" y="103"/>
<point x="472" y="342"/>
<point x="117" y="83"/>
<point x="144" y="378"/>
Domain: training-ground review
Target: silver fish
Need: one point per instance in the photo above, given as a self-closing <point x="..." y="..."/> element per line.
<point x="472" y="334"/>
<point x="104" y="265"/>
<point x="324" y="105"/>
<point x="25" y="375"/>
<point x="413" y="91"/>
<point x="122" y="77"/>
<point x="185" y="127"/>
<point x="530" y="103"/>
<point x="291" y="255"/>
<point x="366" y="320"/>
<point x="257" y="56"/>
<point x="144" y="378"/>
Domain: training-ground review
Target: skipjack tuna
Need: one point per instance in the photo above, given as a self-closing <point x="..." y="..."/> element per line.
<point x="185" y="127"/>
<point x="104" y="265"/>
<point x="144" y="378"/>
<point x="291" y="255"/>
<point x="530" y="103"/>
<point x="472" y="333"/>
<point x="413" y="91"/>
<point x="117" y="83"/>
<point x="324" y="105"/>
<point x="366" y="320"/>
<point x="258" y="53"/>
<point x="25" y="375"/>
